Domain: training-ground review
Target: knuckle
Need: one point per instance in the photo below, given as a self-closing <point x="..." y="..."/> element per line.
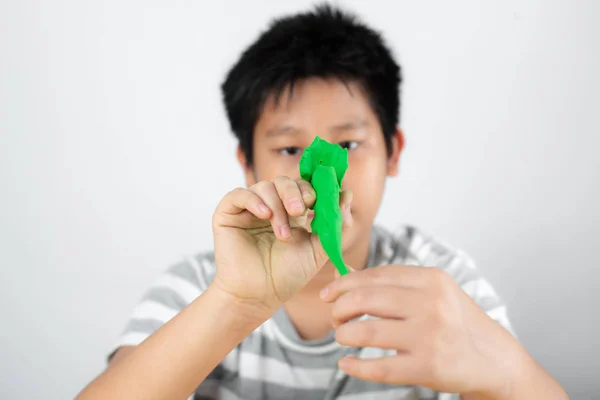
<point x="379" y="372"/>
<point x="291" y="198"/>
<point x="262" y="186"/>
<point x="236" y="192"/>
<point x="305" y="187"/>
<point x="376" y="275"/>
<point x="359" y="297"/>
<point x="280" y="180"/>
<point x="438" y="315"/>
<point x="365" y="334"/>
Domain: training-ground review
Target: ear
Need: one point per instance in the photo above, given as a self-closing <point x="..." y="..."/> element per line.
<point x="248" y="170"/>
<point x="397" y="147"/>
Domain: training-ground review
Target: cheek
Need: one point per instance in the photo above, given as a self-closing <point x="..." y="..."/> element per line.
<point x="269" y="166"/>
<point x="367" y="181"/>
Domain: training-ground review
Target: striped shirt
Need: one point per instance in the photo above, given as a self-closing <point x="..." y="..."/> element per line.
<point x="274" y="362"/>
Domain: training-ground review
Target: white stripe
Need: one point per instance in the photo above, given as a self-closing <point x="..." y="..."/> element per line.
<point x="447" y="396"/>
<point x="265" y="369"/>
<point x="375" y="352"/>
<point x="263" y="330"/>
<point x="423" y="252"/>
<point x="479" y="289"/>
<point x="230" y="362"/>
<point x="187" y="290"/>
<point x="500" y="315"/>
<point x="398" y="393"/>
<point x="459" y="263"/>
<point x="153" y="310"/>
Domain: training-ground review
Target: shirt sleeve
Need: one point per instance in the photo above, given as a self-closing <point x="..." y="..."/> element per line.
<point x="174" y="289"/>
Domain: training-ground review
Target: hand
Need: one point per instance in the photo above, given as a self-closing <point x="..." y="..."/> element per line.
<point x="444" y="341"/>
<point x="264" y="251"/>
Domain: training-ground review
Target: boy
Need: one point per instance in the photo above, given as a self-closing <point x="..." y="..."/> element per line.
<point x="255" y="320"/>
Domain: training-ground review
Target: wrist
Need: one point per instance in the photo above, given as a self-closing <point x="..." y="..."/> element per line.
<point x="505" y="364"/>
<point x="241" y="313"/>
<point x="520" y="377"/>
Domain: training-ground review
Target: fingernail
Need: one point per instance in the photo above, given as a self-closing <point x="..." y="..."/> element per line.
<point x="324" y="293"/>
<point x="263" y="209"/>
<point x="296" y="205"/>
<point x="285" y="231"/>
<point x="307" y="196"/>
<point x="343" y="363"/>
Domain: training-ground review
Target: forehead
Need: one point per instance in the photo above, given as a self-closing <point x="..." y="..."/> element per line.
<point x="315" y="104"/>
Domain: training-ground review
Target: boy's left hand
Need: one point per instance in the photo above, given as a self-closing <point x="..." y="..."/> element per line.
<point x="444" y="341"/>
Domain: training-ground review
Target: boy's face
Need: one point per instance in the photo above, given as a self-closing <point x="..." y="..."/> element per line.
<point x="338" y="113"/>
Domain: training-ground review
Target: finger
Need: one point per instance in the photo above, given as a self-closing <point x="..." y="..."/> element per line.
<point x="309" y="196"/>
<point x="239" y="207"/>
<point x="290" y="195"/>
<point x="379" y="301"/>
<point x="395" y="275"/>
<point x="279" y="219"/>
<point x="346" y="197"/>
<point x="380" y="333"/>
<point x="402" y="369"/>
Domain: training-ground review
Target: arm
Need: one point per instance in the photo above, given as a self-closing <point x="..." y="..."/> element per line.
<point x="257" y="264"/>
<point x="172" y="362"/>
<point x="531" y="381"/>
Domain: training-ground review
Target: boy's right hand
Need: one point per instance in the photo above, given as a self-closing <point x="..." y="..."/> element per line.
<point x="263" y="251"/>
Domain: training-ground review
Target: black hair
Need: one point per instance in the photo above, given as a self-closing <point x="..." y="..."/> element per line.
<point x="324" y="43"/>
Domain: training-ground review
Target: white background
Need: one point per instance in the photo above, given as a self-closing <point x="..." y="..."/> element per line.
<point x="114" y="150"/>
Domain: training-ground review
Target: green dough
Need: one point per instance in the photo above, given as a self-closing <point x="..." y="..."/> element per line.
<point x="324" y="164"/>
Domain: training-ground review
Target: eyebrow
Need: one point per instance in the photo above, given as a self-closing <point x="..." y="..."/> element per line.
<point x="281" y="130"/>
<point x="349" y="126"/>
<point x="346" y="126"/>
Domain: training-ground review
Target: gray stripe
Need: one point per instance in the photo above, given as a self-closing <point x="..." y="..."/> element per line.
<point x="356" y="386"/>
<point x="260" y="345"/>
<point x="167" y="297"/>
<point x="400" y="253"/>
<point x="147" y="326"/>
<point x="286" y="326"/>
<point x="208" y="389"/>
<point x="186" y="271"/>
<point x="251" y="389"/>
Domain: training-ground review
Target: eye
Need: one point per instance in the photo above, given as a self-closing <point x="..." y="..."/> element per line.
<point x="349" y="144"/>
<point x="290" y="151"/>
